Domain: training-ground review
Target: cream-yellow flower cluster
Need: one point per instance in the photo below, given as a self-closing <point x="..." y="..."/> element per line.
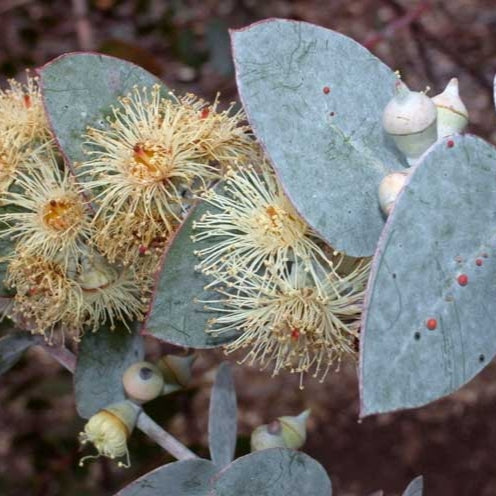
<point x="157" y="152"/>
<point x="85" y="249"/>
<point x="294" y="301"/>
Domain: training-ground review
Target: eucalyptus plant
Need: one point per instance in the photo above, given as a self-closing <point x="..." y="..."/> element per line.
<point x="339" y="215"/>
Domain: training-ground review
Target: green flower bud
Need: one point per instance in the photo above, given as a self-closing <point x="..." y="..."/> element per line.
<point x="285" y="432"/>
<point x="410" y="119"/>
<point x="452" y="115"/>
<point x="177" y="371"/>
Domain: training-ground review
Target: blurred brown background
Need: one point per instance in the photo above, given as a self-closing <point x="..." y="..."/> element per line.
<point x="452" y="442"/>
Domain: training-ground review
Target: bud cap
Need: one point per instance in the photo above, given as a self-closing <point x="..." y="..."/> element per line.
<point x="452" y="115"/>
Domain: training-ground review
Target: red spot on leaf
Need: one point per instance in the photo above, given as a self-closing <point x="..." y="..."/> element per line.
<point x="295" y="334"/>
<point x="450" y="144"/>
<point x="27" y="101"/>
<point x="205" y="113"/>
<point x="462" y="279"/>
<point x="326" y="90"/>
<point x="478" y="262"/>
<point x="431" y="324"/>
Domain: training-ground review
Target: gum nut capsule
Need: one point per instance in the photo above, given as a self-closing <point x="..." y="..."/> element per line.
<point x="452" y="115"/>
<point x="410" y="118"/>
<point x="389" y="188"/>
<point x="143" y="382"/>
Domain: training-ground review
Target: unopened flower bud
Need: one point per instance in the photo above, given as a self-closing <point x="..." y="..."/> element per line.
<point x="143" y="382"/>
<point x="410" y="119"/>
<point x="452" y="115"/>
<point x="109" y="429"/>
<point x="176" y="370"/>
<point x="389" y="188"/>
<point x="285" y="432"/>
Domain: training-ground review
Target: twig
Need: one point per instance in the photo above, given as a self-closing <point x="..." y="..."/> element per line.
<point x="163" y="438"/>
<point x="83" y="25"/>
<point x="145" y="424"/>
<point x="407" y="18"/>
<point x="60" y="353"/>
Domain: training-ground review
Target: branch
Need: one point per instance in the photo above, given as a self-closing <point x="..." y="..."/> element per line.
<point x="163" y="438"/>
<point x="145" y="424"/>
<point x="407" y="18"/>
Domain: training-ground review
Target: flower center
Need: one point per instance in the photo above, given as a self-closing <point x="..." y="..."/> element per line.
<point x="147" y="161"/>
<point x="276" y="227"/>
<point x="62" y="214"/>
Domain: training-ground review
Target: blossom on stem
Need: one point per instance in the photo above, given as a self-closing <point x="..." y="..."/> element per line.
<point x="291" y="318"/>
<point x="45" y="294"/>
<point x="51" y="219"/>
<point x="109" y="429"/>
<point x="146" y="161"/>
<point x="22" y="112"/>
<point x="253" y="222"/>
<point x="111" y="293"/>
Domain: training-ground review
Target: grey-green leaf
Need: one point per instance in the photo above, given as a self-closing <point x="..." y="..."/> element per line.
<point x="315" y="100"/>
<point x="415" y="488"/>
<point x="12" y="347"/>
<point x="176" y="316"/>
<point x="184" y="478"/>
<point x="102" y="359"/>
<point x="223" y="418"/>
<point x="79" y="90"/>
<point x="273" y="472"/>
<point x="427" y="331"/>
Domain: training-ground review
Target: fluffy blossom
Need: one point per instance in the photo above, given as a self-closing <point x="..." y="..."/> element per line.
<point x="51" y="219"/>
<point x="294" y="302"/>
<point x="290" y="319"/>
<point x="252" y="222"/>
<point x="153" y="155"/>
<point x="109" y="429"/>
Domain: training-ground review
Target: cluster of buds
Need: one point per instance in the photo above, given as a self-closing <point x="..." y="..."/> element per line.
<point x="415" y="122"/>
<point x="109" y="429"/>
